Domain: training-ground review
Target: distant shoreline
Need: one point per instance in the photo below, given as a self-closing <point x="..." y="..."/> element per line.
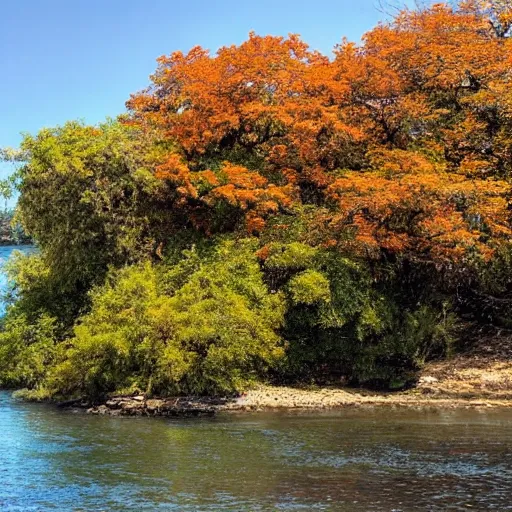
<point x="15" y="244"/>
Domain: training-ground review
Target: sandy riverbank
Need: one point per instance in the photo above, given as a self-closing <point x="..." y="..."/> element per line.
<point x="287" y="398"/>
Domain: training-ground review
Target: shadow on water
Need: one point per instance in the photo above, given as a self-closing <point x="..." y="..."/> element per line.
<point x="353" y="460"/>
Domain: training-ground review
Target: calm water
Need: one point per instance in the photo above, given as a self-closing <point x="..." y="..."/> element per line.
<point x="351" y="460"/>
<point x="7" y="250"/>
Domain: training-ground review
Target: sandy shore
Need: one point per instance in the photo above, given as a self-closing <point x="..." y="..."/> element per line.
<point x="287" y="398"/>
<point x="481" y="378"/>
<point x="267" y="397"/>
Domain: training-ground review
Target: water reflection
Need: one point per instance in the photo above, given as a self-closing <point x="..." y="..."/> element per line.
<point x="354" y="460"/>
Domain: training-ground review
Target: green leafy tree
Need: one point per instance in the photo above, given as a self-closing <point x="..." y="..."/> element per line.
<point x="214" y="332"/>
<point x="86" y="195"/>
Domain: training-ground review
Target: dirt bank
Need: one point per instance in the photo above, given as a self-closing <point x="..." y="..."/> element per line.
<point x="286" y="398"/>
<point x="429" y="393"/>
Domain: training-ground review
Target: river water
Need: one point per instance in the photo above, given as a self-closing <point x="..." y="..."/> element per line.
<point x="359" y="459"/>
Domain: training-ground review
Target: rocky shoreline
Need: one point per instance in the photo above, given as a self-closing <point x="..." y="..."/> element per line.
<point x="478" y="379"/>
<point x="280" y="398"/>
<point x="139" y="405"/>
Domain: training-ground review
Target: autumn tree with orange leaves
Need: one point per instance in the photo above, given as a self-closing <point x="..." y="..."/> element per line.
<point x="403" y="141"/>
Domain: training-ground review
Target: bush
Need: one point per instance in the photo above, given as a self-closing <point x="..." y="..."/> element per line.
<point x="341" y="322"/>
<point x="27" y="351"/>
<point x="34" y="289"/>
<point x="309" y="287"/>
<point x="216" y="320"/>
<point x="88" y="199"/>
<point x="392" y="357"/>
<point x="211" y="331"/>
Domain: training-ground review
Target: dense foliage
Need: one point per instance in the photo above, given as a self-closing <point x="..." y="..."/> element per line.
<point x="266" y="212"/>
<point x="11" y="232"/>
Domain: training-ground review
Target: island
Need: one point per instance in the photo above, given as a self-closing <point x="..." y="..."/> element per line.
<point x="266" y="225"/>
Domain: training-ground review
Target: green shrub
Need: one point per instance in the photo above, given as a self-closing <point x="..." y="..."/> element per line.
<point x="217" y="320"/>
<point x="341" y="322"/>
<point x="211" y="331"/>
<point x="88" y="198"/>
<point x="27" y="350"/>
<point x="34" y="289"/>
<point x="309" y="287"/>
<point x="392" y="357"/>
<point x="294" y="255"/>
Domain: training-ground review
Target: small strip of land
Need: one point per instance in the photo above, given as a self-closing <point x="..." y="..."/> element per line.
<point x="481" y="377"/>
<point x="287" y="398"/>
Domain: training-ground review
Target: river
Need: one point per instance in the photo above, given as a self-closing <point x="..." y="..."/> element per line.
<point x="359" y="459"/>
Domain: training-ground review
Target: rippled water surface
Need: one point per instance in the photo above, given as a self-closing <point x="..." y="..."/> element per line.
<point x="351" y="460"/>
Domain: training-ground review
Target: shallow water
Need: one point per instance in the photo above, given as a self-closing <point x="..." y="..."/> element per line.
<point x="352" y="460"/>
<point x="7" y="250"/>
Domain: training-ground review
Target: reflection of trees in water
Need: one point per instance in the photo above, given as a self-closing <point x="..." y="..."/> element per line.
<point x="24" y="459"/>
<point x="262" y="461"/>
<point x="132" y="461"/>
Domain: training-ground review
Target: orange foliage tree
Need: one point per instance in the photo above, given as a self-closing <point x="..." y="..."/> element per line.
<point x="405" y="140"/>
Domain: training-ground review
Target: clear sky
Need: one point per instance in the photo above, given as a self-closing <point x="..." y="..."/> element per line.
<point x="81" y="59"/>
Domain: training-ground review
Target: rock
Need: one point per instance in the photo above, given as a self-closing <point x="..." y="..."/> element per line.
<point x="428" y="380"/>
<point x="129" y="405"/>
<point x="429" y="391"/>
<point x="69" y="403"/>
<point x="153" y="405"/>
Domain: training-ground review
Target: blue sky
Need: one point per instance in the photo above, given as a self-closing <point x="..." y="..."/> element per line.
<point x="81" y="59"/>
